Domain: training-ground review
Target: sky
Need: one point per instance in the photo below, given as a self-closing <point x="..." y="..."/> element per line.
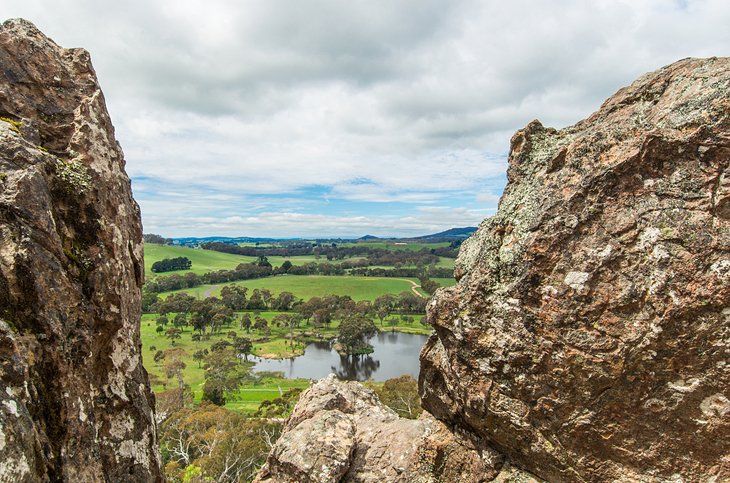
<point x="341" y="118"/>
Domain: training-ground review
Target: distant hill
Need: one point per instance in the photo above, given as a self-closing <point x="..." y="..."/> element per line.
<point x="189" y="241"/>
<point x="448" y="235"/>
<point x="451" y="233"/>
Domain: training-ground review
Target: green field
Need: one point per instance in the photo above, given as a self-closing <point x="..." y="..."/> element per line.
<point x="445" y="282"/>
<point x="203" y="260"/>
<point x="308" y="286"/>
<point x="208" y="260"/>
<point x="250" y="395"/>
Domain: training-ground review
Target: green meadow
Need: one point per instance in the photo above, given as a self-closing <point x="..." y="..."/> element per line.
<point x="203" y="260"/>
<point x="208" y="260"/>
<point x="268" y="387"/>
<point x="252" y="394"/>
<point x="308" y="286"/>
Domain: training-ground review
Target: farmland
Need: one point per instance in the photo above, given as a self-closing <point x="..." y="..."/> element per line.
<point x="274" y="340"/>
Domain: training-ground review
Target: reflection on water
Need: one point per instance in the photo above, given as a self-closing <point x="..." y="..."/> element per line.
<point x="395" y="354"/>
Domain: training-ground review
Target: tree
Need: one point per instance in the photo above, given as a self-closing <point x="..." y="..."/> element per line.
<point x="200" y="355"/>
<point x="223" y="375"/>
<point x="322" y="317"/>
<point x="234" y="297"/>
<point x="243" y="346"/>
<point x="172" y="334"/>
<point x="260" y="324"/>
<point x="256" y="301"/>
<point x="162" y="320"/>
<point x="401" y="395"/>
<point x="284" y="301"/>
<point x="149" y="301"/>
<point x="198" y="322"/>
<point x="174" y="365"/>
<point x="172" y="264"/>
<point x="180" y="320"/>
<point x="246" y="323"/>
<point x="384" y="306"/>
<point x="354" y="333"/>
<point x="429" y="286"/>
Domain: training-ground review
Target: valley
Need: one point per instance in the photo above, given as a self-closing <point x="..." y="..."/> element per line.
<point x="177" y="358"/>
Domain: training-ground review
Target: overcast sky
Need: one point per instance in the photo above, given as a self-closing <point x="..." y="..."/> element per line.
<point x="352" y="117"/>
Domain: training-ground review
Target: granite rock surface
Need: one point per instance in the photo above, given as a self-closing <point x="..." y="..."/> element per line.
<point x="588" y="337"/>
<point x="75" y="401"/>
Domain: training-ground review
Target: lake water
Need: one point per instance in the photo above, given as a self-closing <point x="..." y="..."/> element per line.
<point x="395" y="354"/>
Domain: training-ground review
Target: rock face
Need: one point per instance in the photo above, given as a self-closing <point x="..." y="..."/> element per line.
<point x="339" y="431"/>
<point x="588" y="338"/>
<point x="75" y="403"/>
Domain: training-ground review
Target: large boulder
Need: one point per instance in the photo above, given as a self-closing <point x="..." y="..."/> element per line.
<point x="75" y="402"/>
<point x="588" y="337"/>
<point x="340" y="431"/>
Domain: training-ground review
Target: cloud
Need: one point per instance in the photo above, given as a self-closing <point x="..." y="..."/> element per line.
<point x="244" y="106"/>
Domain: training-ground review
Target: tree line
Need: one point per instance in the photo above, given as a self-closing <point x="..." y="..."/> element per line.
<point x="152" y="238"/>
<point x="376" y="256"/>
<point x="262" y="268"/>
<point x="215" y="312"/>
<point x="244" y="271"/>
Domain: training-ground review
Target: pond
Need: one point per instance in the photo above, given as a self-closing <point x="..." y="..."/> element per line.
<point x="395" y="354"/>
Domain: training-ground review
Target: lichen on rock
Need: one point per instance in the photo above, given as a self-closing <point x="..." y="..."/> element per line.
<point x="587" y="338"/>
<point x="75" y="402"/>
<point x="340" y="431"/>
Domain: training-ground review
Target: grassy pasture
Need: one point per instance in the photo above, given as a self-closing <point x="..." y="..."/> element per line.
<point x="308" y="286"/>
<point x="251" y="395"/>
<point x="203" y="260"/>
<point x="208" y="260"/>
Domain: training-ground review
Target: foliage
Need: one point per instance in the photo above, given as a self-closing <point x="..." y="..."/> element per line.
<point x="401" y="395"/>
<point x="224" y="374"/>
<point x="279" y="407"/>
<point x="157" y="239"/>
<point x="210" y="443"/>
<point x="354" y="333"/>
<point x="172" y="264"/>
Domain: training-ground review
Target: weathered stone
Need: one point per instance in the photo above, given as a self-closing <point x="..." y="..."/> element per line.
<point x="340" y="431"/>
<point x="588" y="337"/>
<point x="75" y="403"/>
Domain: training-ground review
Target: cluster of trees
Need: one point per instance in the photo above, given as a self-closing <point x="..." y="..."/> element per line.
<point x="235" y="298"/>
<point x="152" y="238"/>
<point x="375" y="256"/>
<point x="212" y="315"/>
<point x="172" y="264"/>
<point x="244" y="271"/>
<point x="210" y="443"/>
<point x="249" y="251"/>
